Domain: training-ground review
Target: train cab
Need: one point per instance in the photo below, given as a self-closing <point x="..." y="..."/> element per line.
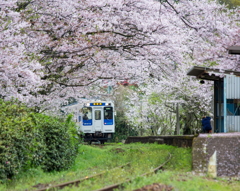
<point x="97" y="121"/>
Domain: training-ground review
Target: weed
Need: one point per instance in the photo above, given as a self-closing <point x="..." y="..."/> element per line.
<point x="93" y="160"/>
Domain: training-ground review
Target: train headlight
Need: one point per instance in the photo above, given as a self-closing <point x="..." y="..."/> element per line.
<point x="87" y="104"/>
<point x="108" y="103"/>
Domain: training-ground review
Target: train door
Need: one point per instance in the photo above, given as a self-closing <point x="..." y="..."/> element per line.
<point x="98" y="119"/>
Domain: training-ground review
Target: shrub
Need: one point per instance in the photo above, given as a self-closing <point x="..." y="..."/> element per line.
<point x="123" y="128"/>
<point x="15" y="136"/>
<point x="29" y="139"/>
<point x="58" y="141"/>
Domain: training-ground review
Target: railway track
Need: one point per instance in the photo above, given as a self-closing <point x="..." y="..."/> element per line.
<point x="77" y="183"/>
<point x="120" y="185"/>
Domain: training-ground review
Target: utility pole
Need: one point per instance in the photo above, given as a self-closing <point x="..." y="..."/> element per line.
<point x="178" y="123"/>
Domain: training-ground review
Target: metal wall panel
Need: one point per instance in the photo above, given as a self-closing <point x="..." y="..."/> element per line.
<point x="232" y="83"/>
<point x="233" y="87"/>
<point x="233" y="124"/>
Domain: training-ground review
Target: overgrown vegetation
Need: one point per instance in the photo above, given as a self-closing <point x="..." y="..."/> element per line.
<point x="123" y="128"/>
<point x="95" y="159"/>
<point x="231" y="3"/>
<point x="38" y="150"/>
<point x="31" y="140"/>
<point x="185" y="181"/>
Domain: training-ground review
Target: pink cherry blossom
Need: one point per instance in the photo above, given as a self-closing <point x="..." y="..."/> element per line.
<point x="53" y="50"/>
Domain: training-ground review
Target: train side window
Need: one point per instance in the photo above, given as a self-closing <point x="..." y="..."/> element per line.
<point x="87" y="113"/>
<point x="108" y="113"/>
<point x="97" y="115"/>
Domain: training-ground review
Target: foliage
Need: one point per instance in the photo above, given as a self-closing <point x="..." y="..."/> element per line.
<point x="31" y="139"/>
<point x="184" y="181"/>
<point x="103" y="159"/>
<point x="123" y="129"/>
<point x="231" y="3"/>
<point x="59" y="139"/>
<point x="16" y="138"/>
<point x="95" y="159"/>
<point x="161" y="116"/>
<point x="156" y="110"/>
<point x="55" y="50"/>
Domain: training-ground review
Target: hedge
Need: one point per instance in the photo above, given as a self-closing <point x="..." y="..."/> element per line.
<point x="29" y="139"/>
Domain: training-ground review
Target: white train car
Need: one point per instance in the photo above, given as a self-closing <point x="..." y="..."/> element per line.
<point x="95" y="120"/>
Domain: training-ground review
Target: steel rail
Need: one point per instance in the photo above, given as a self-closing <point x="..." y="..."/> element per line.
<point x="120" y="185"/>
<point x="78" y="181"/>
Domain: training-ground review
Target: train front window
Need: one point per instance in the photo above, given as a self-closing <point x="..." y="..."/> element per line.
<point x="87" y="113"/>
<point x="108" y="113"/>
<point x="97" y="114"/>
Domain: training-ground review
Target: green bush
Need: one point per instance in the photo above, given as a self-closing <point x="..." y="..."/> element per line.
<point x="29" y="139"/>
<point x="59" y="143"/>
<point x="123" y="128"/>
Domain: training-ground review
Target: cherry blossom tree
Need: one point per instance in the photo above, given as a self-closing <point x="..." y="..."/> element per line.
<point x="206" y="45"/>
<point x="73" y="45"/>
<point x="53" y="50"/>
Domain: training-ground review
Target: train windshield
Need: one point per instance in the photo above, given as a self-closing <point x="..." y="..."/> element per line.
<point x="108" y="113"/>
<point x="87" y="113"/>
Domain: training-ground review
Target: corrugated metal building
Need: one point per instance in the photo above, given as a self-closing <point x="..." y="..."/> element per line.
<point x="232" y="103"/>
<point x="226" y="97"/>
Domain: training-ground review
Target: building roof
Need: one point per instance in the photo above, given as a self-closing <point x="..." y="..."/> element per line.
<point x="234" y="50"/>
<point x="209" y="73"/>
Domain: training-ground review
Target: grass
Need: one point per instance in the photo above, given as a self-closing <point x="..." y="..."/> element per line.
<point x="96" y="159"/>
<point x="185" y="181"/>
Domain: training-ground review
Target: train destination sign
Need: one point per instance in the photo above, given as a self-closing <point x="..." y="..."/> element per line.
<point x="94" y="104"/>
